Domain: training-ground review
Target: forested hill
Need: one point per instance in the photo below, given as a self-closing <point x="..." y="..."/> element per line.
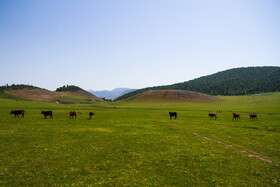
<point x="16" y="87"/>
<point x="76" y="90"/>
<point x="70" y="88"/>
<point x="238" y="81"/>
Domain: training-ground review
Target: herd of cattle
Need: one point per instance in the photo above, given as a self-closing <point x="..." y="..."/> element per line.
<point x="235" y="117"/>
<point x="73" y="114"/>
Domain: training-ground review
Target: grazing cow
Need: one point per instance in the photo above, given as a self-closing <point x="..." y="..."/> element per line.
<point x="72" y="114"/>
<point x="47" y="113"/>
<point x="213" y="115"/>
<point x="253" y="117"/>
<point x="90" y="115"/>
<point x="171" y="114"/>
<point x="235" y="116"/>
<point x="18" y="112"/>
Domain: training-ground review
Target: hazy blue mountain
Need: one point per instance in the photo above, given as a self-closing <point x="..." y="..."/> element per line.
<point x="117" y="92"/>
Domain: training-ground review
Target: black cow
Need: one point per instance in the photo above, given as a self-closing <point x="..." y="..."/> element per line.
<point x="171" y="114"/>
<point x="253" y="117"/>
<point x="18" y="112"/>
<point x="235" y="116"/>
<point x="212" y="115"/>
<point x="47" y="113"/>
<point x="91" y="114"/>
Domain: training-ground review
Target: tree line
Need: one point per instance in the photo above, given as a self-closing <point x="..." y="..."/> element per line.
<point x="16" y="87"/>
<point x="70" y="88"/>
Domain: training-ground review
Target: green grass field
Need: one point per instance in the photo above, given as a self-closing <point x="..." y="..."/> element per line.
<point x="137" y="144"/>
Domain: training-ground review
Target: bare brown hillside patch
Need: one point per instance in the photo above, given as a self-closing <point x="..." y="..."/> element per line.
<point x="173" y="96"/>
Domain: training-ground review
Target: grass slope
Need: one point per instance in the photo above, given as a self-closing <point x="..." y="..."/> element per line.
<point x="137" y="144"/>
<point x="170" y="96"/>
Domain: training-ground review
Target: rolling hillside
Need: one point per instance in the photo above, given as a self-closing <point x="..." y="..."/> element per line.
<point x="164" y="96"/>
<point x="238" y="81"/>
<point x="75" y="90"/>
<point x="67" y="96"/>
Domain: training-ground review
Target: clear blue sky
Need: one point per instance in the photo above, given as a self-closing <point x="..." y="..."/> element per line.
<point x="104" y="44"/>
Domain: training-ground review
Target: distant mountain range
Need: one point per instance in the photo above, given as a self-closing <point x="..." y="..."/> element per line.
<point x="237" y="81"/>
<point x="113" y="94"/>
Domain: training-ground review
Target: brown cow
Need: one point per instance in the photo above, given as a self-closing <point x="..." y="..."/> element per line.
<point x="253" y="117"/>
<point x="90" y="115"/>
<point x="18" y="112"/>
<point x="212" y="115"/>
<point x="72" y="114"/>
<point x="235" y="116"/>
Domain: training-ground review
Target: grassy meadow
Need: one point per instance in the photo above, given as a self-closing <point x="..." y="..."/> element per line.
<point x="135" y="143"/>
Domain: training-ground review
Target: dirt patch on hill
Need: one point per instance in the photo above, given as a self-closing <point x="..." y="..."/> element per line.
<point x="181" y="95"/>
<point x="173" y="96"/>
<point x="190" y="95"/>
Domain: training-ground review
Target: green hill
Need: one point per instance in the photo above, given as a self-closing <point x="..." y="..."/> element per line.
<point x="237" y="81"/>
<point x="75" y="91"/>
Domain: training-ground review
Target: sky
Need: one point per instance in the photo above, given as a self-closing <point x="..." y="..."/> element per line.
<point x="107" y="44"/>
